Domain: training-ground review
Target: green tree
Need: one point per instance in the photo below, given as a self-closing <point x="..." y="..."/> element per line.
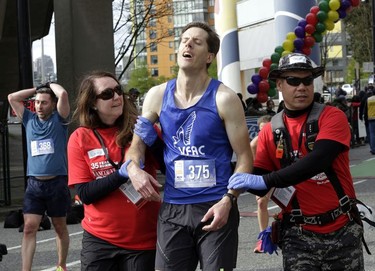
<point x="212" y="70"/>
<point x="359" y="28"/>
<point x="141" y="79"/>
<point x="350" y="71"/>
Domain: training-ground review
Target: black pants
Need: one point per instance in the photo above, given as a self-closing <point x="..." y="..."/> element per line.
<point x="99" y="255"/>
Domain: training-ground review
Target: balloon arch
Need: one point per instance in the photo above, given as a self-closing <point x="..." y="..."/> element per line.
<point x="310" y="30"/>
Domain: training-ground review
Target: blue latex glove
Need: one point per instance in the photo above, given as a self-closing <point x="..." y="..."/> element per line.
<point x="145" y="130"/>
<point x="123" y="169"/>
<point x="267" y="245"/>
<point x="246" y="181"/>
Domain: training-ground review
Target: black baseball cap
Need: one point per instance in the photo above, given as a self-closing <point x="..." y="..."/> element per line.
<point x="134" y="91"/>
<point x="295" y="62"/>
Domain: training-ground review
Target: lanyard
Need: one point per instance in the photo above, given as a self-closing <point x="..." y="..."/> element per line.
<point x="98" y="136"/>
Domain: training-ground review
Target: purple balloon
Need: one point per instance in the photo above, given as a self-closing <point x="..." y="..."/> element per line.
<point x="302" y="23"/>
<point x="256" y="78"/>
<point x="345" y="4"/>
<point x="298" y="43"/>
<point x="300" y="32"/>
<point x="252" y="89"/>
<point x="342" y="13"/>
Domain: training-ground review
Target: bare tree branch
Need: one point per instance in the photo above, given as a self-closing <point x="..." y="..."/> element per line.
<point x="133" y="18"/>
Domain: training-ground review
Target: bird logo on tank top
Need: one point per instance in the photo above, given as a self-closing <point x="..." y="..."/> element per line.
<point x="182" y="139"/>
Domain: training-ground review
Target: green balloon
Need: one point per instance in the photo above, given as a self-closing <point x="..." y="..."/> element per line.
<point x="279" y="49"/>
<point x="272" y="83"/>
<point x="324" y="6"/>
<point x="320" y="27"/>
<point x="318" y="37"/>
<point x="322" y="16"/>
<point x="275" y="57"/>
<point x="274" y="66"/>
<point x="272" y="92"/>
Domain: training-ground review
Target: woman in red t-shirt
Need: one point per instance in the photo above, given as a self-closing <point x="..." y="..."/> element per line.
<point x="119" y="226"/>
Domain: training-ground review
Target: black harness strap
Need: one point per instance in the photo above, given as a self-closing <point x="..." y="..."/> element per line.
<point x="281" y="137"/>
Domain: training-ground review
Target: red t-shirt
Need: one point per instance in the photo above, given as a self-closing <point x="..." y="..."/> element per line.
<point x="113" y="218"/>
<point x="316" y="195"/>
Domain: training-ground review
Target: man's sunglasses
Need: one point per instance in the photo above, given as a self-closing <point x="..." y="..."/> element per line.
<point x="296" y="81"/>
<point x="108" y="93"/>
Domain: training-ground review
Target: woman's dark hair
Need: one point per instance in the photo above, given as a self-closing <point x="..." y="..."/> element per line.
<point x="87" y="117"/>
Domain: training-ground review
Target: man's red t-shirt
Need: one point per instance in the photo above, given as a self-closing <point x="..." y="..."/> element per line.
<point x="316" y="195"/>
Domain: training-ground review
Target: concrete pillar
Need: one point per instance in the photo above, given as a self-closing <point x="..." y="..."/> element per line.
<point x="228" y="58"/>
<point x="84" y="40"/>
<point x="287" y="15"/>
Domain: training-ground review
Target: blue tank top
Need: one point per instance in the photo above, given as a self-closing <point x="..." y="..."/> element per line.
<point x="46" y="144"/>
<point x="198" y="152"/>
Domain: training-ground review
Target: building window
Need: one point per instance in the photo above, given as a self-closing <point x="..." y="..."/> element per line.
<point x="152" y="34"/>
<point x="171" y="44"/>
<point x="178" y="32"/>
<point x="152" y="22"/>
<point x="176" y="43"/>
<point x="171" y="57"/>
<point x="153" y="47"/>
<point x="142" y="59"/>
<point x="154" y="60"/>
<point x="140" y="47"/>
<point x="154" y="72"/>
<point x="153" y="9"/>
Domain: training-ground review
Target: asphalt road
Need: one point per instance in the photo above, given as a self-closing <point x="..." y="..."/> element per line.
<point x="362" y="167"/>
<point x="45" y="256"/>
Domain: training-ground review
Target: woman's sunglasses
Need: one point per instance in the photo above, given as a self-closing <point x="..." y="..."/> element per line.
<point x="108" y="93"/>
<point x="296" y="81"/>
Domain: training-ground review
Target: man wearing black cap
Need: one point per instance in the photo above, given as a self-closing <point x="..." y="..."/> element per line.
<point x="134" y="94"/>
<point x="314" y="185"/>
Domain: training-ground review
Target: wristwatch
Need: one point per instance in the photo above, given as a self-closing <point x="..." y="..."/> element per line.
<point x="233" y="198"/>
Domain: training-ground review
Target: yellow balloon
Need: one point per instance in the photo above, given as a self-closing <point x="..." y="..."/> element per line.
<point x="285" y="53"/>
<point x="288" y="45"/>
<point x="333" y="15"/>
<point x="291" y="36"/>
<point x="329" y="25"/>
<point x="334" y="4"/>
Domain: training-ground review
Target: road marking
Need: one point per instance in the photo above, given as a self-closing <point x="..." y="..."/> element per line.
<point x="246" y="214"/>
<point x="360" y="181"/>
<point x="67" y="265"/>
<point x="46" y="240"/>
